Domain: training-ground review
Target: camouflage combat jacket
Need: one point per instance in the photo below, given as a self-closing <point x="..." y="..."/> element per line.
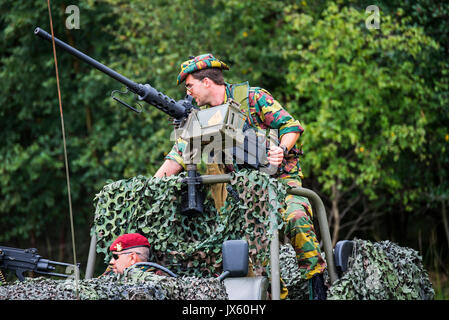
<point x="142" y="268"/>
<point x="264" y="113"/>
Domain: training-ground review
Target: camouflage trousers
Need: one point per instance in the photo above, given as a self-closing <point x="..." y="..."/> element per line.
<point x="300" y="231"/>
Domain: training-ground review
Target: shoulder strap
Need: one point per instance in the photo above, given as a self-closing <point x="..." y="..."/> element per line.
<point x="240" y="93"/>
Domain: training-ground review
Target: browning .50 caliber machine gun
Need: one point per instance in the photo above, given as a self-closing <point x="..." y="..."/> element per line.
<point x="218" y="130"/>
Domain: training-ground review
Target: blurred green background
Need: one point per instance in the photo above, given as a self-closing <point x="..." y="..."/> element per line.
<point x="374" y="104"/>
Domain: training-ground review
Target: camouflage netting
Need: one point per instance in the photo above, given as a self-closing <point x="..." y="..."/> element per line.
<point x="376" y="271"/>
<point x="382" y="271"/>
<point x="190" y="245"/>
<point x="135" y="285"/>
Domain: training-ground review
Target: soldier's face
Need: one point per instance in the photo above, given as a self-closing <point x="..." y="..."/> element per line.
<point x="121" y="260"/>
<point x="197" y="89"/>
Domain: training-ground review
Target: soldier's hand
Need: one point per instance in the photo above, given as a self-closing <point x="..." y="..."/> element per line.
<point x="275" y="155"/>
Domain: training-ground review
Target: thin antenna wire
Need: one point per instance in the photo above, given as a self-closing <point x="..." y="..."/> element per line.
<point x="65" y="153"/>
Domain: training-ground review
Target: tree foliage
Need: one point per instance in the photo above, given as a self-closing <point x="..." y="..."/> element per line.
<point x="364" y="101"/>
<point x="374" y="104"/>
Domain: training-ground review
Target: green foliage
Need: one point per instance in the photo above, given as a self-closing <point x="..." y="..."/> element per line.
<point x="33" y="191"/>
<point x="374" y="104"/>
<point x="359" y="97"/>
<point x="368" y="105"/>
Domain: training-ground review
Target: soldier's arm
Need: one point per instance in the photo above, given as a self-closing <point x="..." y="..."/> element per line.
<point x="275" y="116"/>
<point x="289" y="139"/>
<point x="174" y="162"/>
<point x="276" y="154"/>
<point x="168" y="168"/>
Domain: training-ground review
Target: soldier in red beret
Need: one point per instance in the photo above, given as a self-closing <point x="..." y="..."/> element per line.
<point x="127" y="250"/>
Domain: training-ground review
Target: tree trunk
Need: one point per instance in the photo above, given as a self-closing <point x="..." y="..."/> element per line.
<point x="61" y="244"/>
<point x="443" y="209"/>
<point x="335" y="212"/>
<point x="445" y="222"/>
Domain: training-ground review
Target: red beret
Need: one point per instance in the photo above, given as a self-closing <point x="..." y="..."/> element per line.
<point x="129" y="240"/>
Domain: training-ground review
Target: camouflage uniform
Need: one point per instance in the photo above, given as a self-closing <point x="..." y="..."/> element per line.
<point x="267" y="113"/>
<point x="151" y="269"/>
<point x="143" y="268"/>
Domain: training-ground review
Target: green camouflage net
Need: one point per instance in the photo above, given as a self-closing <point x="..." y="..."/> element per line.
<point x="190" y="245"/>
<point x="382" y="271"/>
<point x="135" y="285"/>
<point x="376" y="271"/>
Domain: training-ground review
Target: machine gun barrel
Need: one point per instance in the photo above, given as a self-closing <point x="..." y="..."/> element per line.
<point x="145" y="92"/>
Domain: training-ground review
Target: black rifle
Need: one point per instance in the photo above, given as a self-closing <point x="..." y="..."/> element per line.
<point x="26" y="260"/>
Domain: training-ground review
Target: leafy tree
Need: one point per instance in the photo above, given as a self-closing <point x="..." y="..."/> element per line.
<point x="374" y="104"/>
<point x="363" y="102"/>
<point x="433" y="17"/>
<point x="33" y="191"/>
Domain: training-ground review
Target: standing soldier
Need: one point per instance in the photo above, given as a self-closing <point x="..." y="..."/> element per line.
<point x="205" y="83"/>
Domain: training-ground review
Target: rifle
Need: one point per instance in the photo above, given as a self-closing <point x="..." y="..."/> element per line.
<point x="26" y="260"/>
<point x="221" y="123"/>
